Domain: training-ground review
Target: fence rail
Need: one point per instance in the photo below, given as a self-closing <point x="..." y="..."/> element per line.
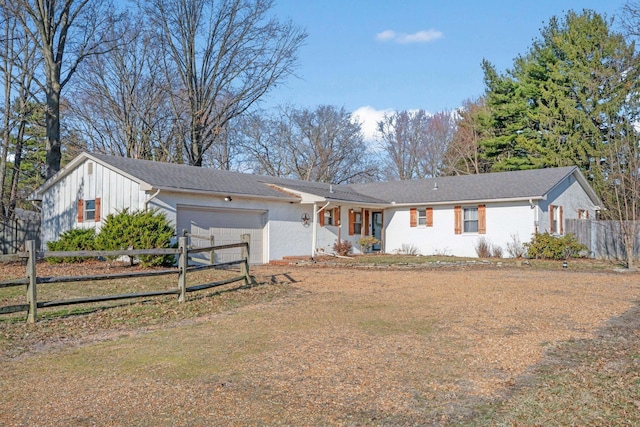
<point x="183" y="252"/>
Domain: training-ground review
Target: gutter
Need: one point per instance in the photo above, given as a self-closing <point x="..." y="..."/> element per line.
<point x="153" y="196"/>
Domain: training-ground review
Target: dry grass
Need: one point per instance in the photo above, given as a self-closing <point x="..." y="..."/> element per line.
<point x="342" y="346"/>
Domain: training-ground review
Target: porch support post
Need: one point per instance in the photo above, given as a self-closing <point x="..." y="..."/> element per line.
<point x="314" y="228"/>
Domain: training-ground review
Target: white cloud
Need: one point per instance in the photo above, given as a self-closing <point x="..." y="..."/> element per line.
<point x="386" y="35"/>
<point x="423" y="36"/>
<point x="369" y="118"/>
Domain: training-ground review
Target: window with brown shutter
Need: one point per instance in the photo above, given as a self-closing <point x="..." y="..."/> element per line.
<point x="560" y="222"/>
<point x="413" y="217"/>
<point x="457" y="219"/>
<point x="552" y="219"/>
<point x="482" y="219"/>
<point x="336" y="216"/>
<point x="429" y="217"/>
<point x="321" y="218"/>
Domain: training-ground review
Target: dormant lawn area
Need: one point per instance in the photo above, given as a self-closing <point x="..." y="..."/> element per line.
<point x="480" y="345"/>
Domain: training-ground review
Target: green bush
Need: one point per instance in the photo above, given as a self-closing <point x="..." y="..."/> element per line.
<point x="137" y="230"/>
<point x="547" y="246"/>
<point x="77" y="239"/>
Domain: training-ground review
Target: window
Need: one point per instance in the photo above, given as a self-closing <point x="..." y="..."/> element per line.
<point x="328" y="217"/>
<point x="422" y="217"/>
<point x="583" y="214"/>
<point x="470" y="220"/>
<point x="555" y="219"/>
<point x="357" y="223"/>
<point x="89" y="210"/>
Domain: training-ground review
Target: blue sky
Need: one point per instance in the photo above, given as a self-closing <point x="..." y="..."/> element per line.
<point x="384" y="55"/>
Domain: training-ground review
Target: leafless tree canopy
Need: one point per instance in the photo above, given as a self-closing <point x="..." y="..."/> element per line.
<point x="415" y="143"/>
<point x="324" y="144"/>
<point x="227" y="55"/>
<point x="65" y="33"/>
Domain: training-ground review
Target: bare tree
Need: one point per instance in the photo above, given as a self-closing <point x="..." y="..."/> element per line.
<point x="462" y="156"/>
<point x="324" y="144"/>
<point x="437" y="137"/>
<point x="228" y="54"/>
<point x="17" y="69"/>
<point x="120" y="99"/>
<point x="65" y="33"/>
<point x="415" y="142"/>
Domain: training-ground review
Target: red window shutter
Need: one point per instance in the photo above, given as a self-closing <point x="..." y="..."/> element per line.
<point x="351" y="222"/>
<point x="336" y="216"/>
<point x="365" y="222"/>
<point x="560" y="224"/>
<point x="551" y="227"/>
<point x="457" y="219"/>
<point x="97" y="217"/>
<point x="413" y="217"/>
<point x="482" y="219"/>
<point x="80" y="210"/>
<point x="429" y="215"/>
<point x="321" y="218"/>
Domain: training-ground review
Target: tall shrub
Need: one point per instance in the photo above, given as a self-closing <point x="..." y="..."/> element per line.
<point x="137" y="230"/>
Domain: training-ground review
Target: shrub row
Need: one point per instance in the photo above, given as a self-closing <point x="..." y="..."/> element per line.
<point x="123" y="230"/>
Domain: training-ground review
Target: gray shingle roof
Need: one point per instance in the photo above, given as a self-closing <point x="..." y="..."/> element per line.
<point x="494" y="186"/>
<point x="491" y="186"/>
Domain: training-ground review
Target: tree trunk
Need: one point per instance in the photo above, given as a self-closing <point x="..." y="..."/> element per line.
<point x="54" y="153"/>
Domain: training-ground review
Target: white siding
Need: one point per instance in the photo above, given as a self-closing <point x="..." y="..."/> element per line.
<point x="502" y="221"/>
<point x="286" y="234"/>
<point x="60" y="202"/>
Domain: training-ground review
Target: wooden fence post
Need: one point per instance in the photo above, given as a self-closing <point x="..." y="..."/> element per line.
<point x="183" y="263"/>
<point x="245" y="252"/>
<point x="30" y="246"/>
<point x="212" y="254"/>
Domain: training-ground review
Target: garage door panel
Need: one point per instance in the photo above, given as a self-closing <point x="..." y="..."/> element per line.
<point x="226" y="227"/>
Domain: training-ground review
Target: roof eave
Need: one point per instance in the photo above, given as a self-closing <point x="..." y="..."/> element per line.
<point x="225" y="194"/>
<point x="470" y="201"/>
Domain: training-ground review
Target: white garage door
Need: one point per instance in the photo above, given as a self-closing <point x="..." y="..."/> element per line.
<point x="226" y="226"/>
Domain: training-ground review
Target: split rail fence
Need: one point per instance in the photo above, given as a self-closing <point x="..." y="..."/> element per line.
<point x="183" y="252"/>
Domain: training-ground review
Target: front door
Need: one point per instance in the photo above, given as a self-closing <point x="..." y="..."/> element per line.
<point x="376" y="229"/>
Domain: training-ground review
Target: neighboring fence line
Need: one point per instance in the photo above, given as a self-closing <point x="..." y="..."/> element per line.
<point x="602" y="237"/>
<point x="15" y="232"/>
<point x="183" y="252"/>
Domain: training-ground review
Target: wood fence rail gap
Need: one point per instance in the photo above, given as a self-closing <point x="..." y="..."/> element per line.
<point x="183" y="252"/>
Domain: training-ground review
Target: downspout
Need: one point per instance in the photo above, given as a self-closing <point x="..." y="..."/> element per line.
<point x="314" y="236"/>
<point x="153" y="196"/>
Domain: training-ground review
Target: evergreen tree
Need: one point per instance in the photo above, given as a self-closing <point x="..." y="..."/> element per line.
<point x="558" y="103"/>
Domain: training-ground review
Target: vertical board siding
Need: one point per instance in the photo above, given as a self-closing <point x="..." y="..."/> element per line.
<point x="603" y="238"/>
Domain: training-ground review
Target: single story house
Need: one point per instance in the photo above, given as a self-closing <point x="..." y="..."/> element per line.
<point x="444" y="215"/>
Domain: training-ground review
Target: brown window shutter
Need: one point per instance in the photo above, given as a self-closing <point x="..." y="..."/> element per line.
<point x="457" y="218"/>
<point x="80" y="210"/>
<point x="336" y="216"/>
<point x="482" y="219"/>
<point x="97" y="217"/>
<point x="560" y="221"/>
<point x="321" y="218"/>
<point x="351" y="222"/>
<point x="429" y="215"/>
<point x="586" y="214"/>
<point x="413" y="217"/>
<point x="365" y="222"/>
<point x="551" y="227"/>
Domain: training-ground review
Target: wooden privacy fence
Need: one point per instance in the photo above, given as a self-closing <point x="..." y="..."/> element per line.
<point x="602" y="237"/>
<point x="31" y="280"/>
<point x="15" y="232"/>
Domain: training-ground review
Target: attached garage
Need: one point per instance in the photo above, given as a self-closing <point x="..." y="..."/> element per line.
<point x="225" y="226"/>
